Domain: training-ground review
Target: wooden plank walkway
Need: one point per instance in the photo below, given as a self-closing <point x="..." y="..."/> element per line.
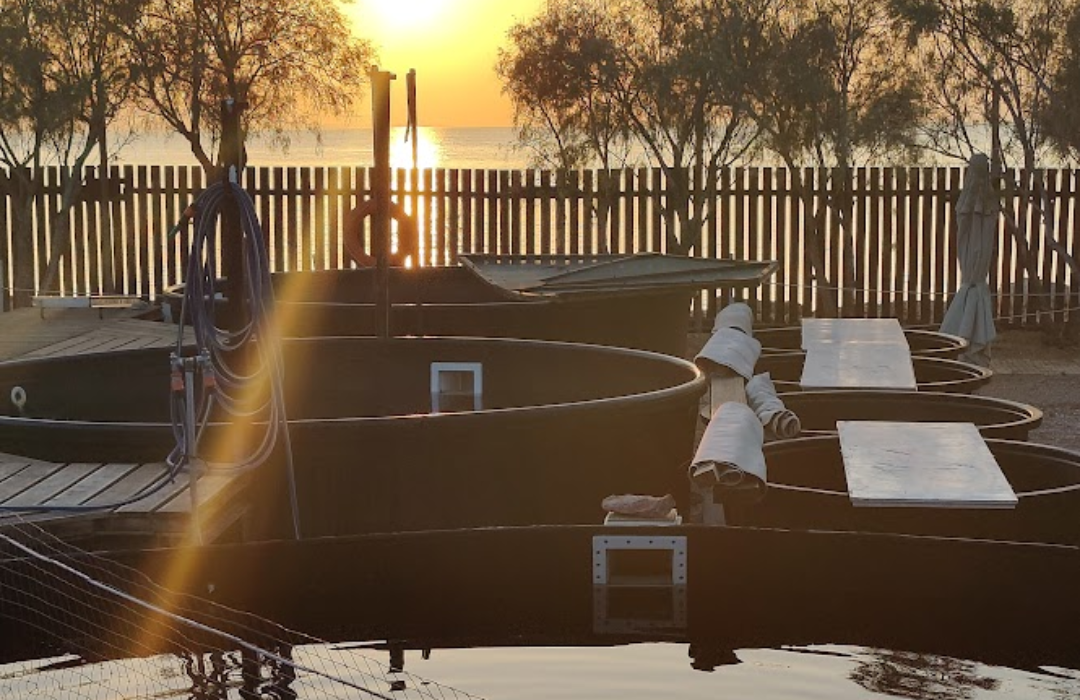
<point x="124" y="500"/>
<point x="28" y="333"/>
<point x="162" y="516"/>
<point x="121" y="334"/>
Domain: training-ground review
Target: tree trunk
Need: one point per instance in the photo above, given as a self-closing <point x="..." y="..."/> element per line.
<point x="71" y="187"/>
<point x="109" y="262"/>
<point x="1016" y="215"/>
<point x="605" y="201"/>
<point x="815" y="245"/>
<point x="23" y="185"/>
<point x="843" y="207"/>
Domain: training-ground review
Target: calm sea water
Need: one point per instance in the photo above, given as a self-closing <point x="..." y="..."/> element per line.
<point x="438" y="147"/>
<point x="476" y="148"/>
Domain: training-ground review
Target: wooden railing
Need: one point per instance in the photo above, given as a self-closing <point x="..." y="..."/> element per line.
<point x="902" y="219"/>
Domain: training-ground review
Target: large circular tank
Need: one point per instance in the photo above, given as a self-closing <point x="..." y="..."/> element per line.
<point x="819" y="411"/>
<point x="808" y="490"/>
<point x="556" y="427"/>
<point x="923" y="343"/>
<point x="444" y="301"/>
<point x="908" y="598"/>
<point x="931" y="373"/>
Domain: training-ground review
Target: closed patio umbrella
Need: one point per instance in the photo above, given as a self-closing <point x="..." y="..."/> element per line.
<point x="970" y="314"/>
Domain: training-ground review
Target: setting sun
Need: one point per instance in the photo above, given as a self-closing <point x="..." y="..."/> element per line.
<point x="453" y="45"/>
<point x="429" y="149"/>
<point x="393" y="16"/>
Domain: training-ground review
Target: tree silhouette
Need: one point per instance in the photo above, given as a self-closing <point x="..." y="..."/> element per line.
<point x="596" y="82"/>
<point x="288" y="62"/>
<point x="828" y="88"/>
<point x="994" y="61"/>
<point x="64" y="77"/>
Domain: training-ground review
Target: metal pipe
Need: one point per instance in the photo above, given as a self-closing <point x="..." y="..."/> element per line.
<point x="230" y="164"/>
<point x="414" y="125"/>
<point x="190" y="440"/>
<point x="380" y="192"/>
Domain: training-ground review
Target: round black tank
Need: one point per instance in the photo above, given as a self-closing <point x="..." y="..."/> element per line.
<point x="931" y="373"/>
<point x="558" y="426"/>
<point x="807" y="490"/>
<point x="923" y="343"/>
<point x="819" y="411"/>
<point x="445" y="301"/>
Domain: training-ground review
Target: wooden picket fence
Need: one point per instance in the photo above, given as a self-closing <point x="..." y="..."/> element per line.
<point x="904" y="255"/>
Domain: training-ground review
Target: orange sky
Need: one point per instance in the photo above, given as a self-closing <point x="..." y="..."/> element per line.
<point x="453" y="45"/>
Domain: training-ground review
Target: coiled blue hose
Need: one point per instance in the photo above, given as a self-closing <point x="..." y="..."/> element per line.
<point x="255" y="343"/>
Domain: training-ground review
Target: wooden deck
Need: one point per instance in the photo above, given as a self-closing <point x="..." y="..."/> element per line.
<point x="110" y="493"/>
<point x="162" y="515"/>
<point x="31" y="333"/>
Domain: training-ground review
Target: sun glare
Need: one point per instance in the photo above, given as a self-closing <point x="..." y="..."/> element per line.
<point x="428" y="149"/>
<point x="396" y="16"/>
<point x="453" y="45"/>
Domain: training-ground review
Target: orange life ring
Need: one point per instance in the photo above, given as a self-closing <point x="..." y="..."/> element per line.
<point x="408" y="240"/>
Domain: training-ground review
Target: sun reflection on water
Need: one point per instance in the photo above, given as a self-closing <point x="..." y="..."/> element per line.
<point x="429" y="149"/>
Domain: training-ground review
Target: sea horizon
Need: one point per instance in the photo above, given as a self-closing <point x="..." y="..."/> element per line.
<point x="465" y="148"/>
<point x="479" y="148"/>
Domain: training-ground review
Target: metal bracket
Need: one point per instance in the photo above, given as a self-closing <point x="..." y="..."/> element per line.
<point x="639" y="560"/>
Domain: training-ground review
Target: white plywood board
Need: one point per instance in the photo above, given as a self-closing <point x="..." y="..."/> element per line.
<point x="945" y="465"/>
<point x="858" y="366"/>
<point x="817" y="331"/>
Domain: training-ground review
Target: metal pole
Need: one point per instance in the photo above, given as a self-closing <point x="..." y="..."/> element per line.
<point x="380" y="192"/>
<point x="194" y="464"/>
<point x="231" y="167"/>
<point x="414" y="125"/>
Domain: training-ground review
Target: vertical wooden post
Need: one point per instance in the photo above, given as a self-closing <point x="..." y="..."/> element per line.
<point x="276" y="224"/>
<point x="380" y="192"/>
<point x="547" y="187"/>
<point x="764" y="233"/>
<point x="889" y="224"/>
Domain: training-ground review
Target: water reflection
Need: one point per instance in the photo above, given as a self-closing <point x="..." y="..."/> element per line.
<point x="213" y="675"/>
<point x="209" y="675"/>
<point x="618" y="672"/>
<point x="429" y="149"/>
<point x="707" y="657"/>
<point x="921" y="676"/>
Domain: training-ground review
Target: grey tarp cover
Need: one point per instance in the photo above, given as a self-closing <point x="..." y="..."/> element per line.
<point x="970" y="313"/>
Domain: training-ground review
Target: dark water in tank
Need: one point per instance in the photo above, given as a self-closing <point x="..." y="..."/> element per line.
<point x="627" y="672"/>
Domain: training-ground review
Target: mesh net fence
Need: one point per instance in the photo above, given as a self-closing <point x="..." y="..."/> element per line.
<point x="94" y="628"/>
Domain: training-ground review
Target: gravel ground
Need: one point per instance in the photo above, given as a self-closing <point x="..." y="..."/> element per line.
<point x="1057" y="395"/>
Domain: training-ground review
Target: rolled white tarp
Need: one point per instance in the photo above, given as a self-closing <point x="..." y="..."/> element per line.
<point x="738" y="316"/>
<point x="771" y="411"/>
<point x="729" y="455"/>
<point x="730" y="348"/>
